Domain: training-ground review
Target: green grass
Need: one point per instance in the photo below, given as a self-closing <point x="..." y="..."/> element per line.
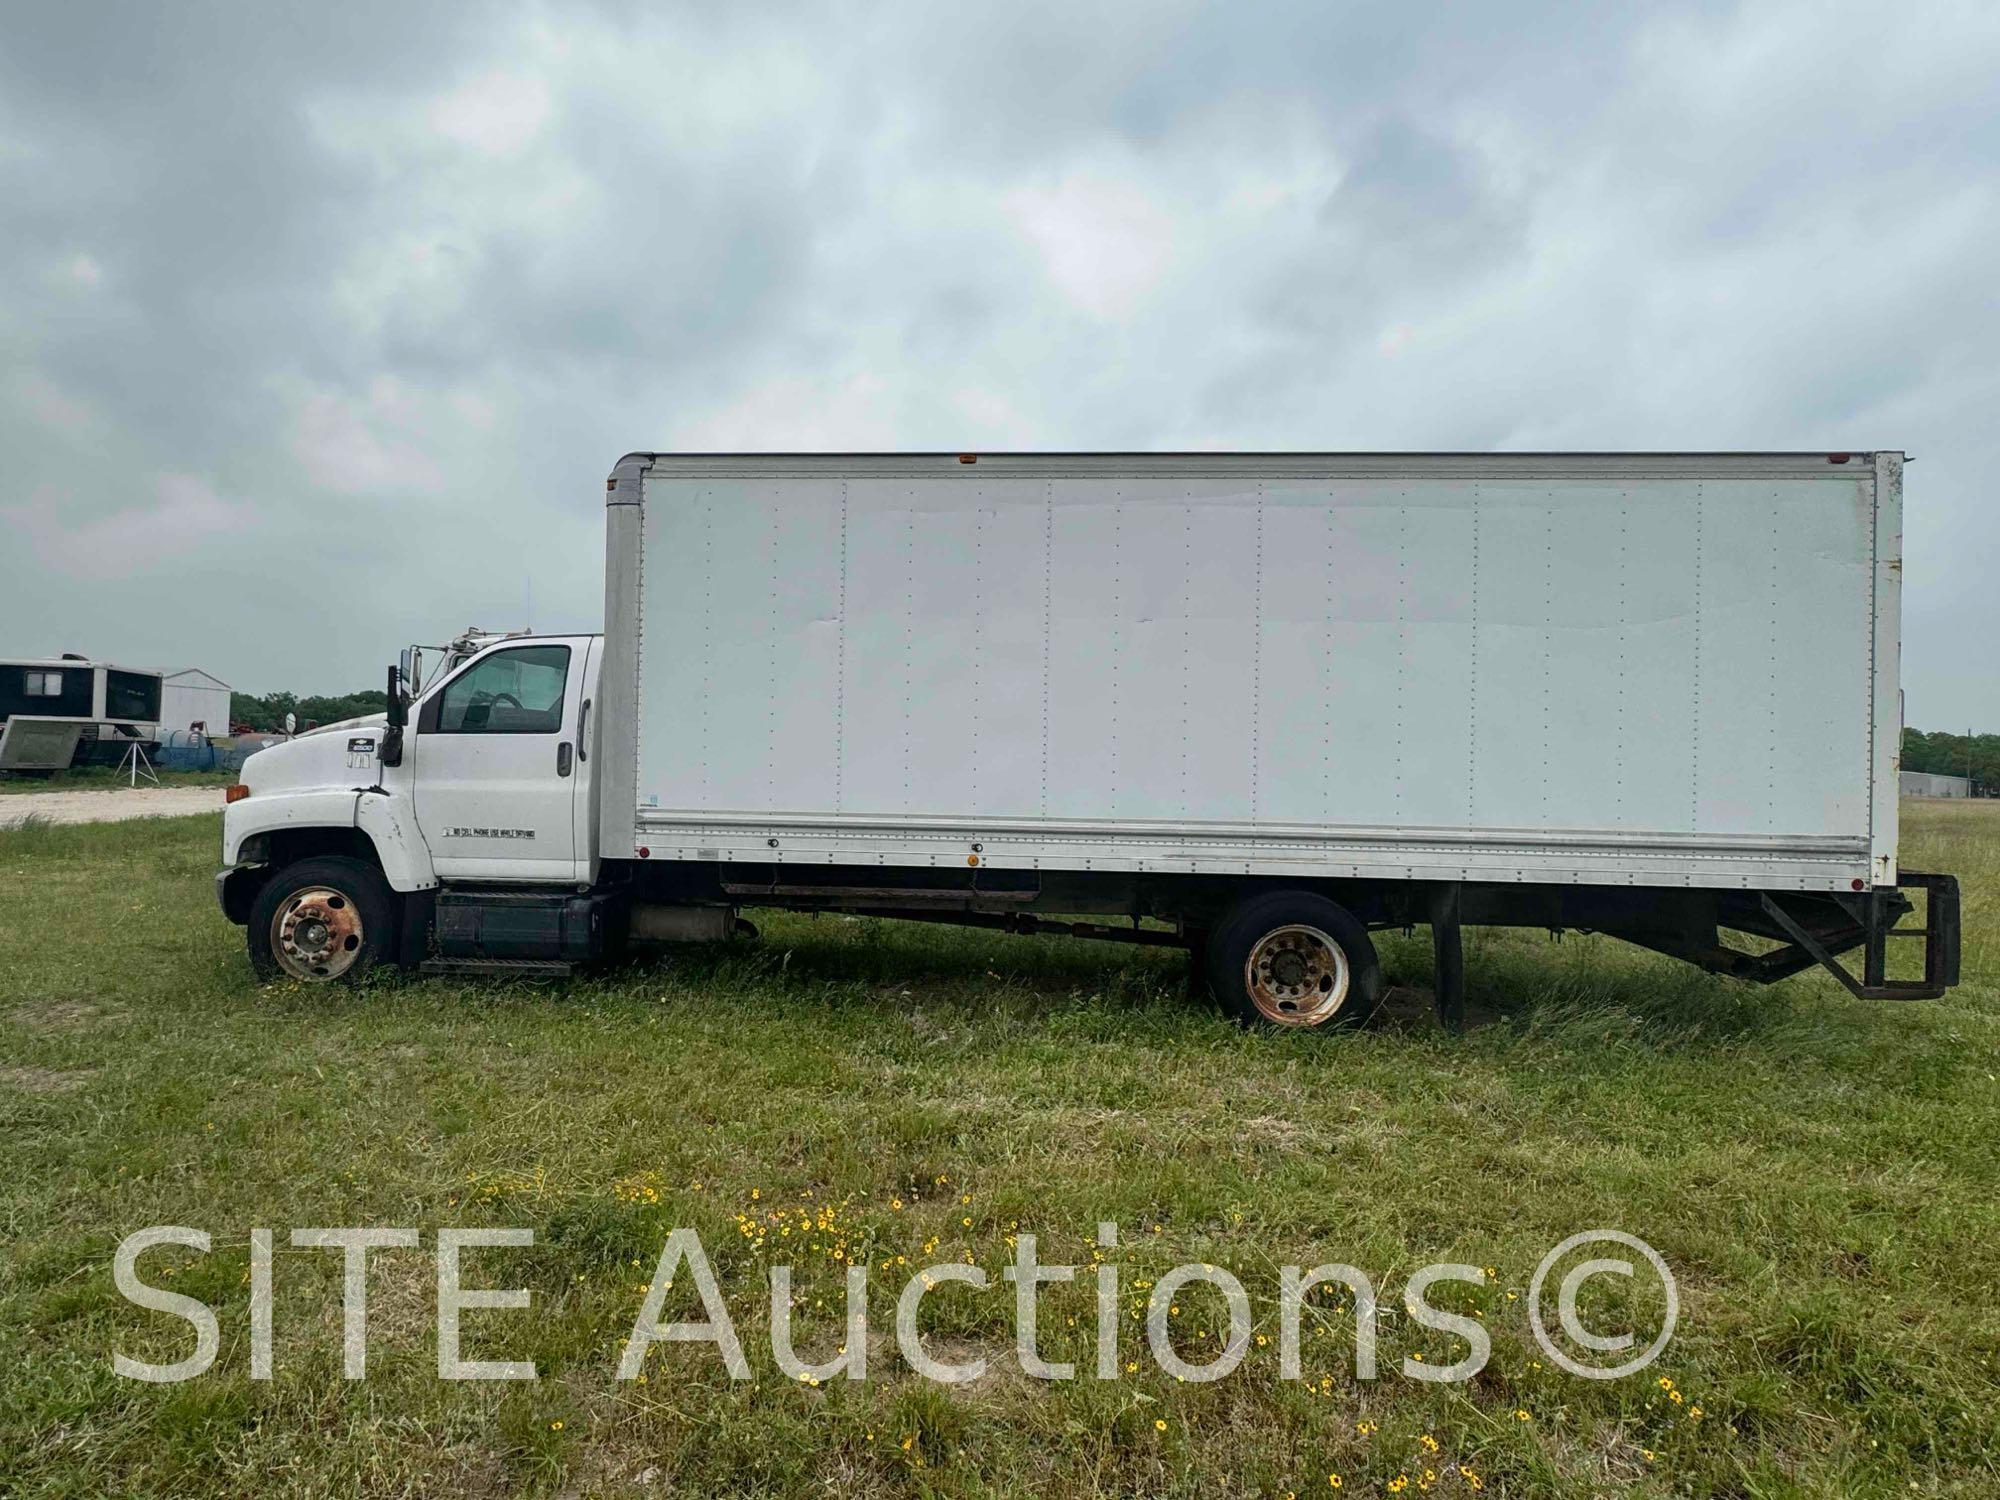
<point x="104" y="779"/>
<point x="1819" y="1172"/>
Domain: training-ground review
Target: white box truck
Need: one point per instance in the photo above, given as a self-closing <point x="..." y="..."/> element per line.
<point x="1255" y="705"/>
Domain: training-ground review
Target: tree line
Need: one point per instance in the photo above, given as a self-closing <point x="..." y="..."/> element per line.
<point x="266" y="714"/>
<point x="1974" y="755"/>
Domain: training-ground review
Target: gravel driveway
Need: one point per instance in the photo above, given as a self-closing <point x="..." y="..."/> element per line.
<point x="111" y="807"/>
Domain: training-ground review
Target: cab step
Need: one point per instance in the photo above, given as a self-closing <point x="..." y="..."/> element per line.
<point x="500" y="968"/>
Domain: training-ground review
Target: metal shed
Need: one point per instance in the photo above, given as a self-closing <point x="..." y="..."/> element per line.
<point x="192" y="696"/>
<point x="1931" y="784"/>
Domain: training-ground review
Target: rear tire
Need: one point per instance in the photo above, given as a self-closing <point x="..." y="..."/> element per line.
<point x="1293" y="960"/>
<point x="326" y="920"/>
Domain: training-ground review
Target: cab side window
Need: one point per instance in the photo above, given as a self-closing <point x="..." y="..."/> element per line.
<point x="510" y="692"/>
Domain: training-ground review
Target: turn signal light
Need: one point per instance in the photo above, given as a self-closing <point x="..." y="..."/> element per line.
<point x="235" y="793"/>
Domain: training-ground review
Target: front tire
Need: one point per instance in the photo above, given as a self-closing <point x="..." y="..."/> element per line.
<point x="1294" y="960"/>
<point x="327" y="920"/>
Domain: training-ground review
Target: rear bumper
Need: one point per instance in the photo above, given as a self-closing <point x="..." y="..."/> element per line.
<point x="1871" y="925"/>
<point x="1940" y="933"/>
<point x="236" y="887"/>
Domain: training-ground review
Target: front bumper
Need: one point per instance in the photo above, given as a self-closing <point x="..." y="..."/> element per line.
<point x="236" y="887"/>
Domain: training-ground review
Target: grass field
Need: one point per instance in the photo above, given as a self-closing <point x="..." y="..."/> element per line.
<point x="1820" y="1174"/>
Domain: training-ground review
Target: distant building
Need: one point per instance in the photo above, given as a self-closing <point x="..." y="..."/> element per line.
<point x="1930" y="784"/>
<point x="192" y="696"/>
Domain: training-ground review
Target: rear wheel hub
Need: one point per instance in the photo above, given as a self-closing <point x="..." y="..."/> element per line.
<point x="1296" y="976"/>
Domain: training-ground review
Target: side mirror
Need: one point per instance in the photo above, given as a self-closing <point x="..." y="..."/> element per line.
<point x="291" y="723"/>
<point x="398" y="716"/>
<point x="406" y="668"/>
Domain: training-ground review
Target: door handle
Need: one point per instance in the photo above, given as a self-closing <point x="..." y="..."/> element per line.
<point x="562" y="759"/>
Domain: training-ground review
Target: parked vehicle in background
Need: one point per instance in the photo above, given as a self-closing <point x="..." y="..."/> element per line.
<point x="1255" y="705"/>
<point x="58" y="712"/>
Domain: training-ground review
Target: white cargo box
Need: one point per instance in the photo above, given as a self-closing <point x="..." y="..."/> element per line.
<point x="1630" y="669"/>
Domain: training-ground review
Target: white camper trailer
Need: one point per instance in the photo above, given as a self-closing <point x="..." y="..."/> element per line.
<point x="57" y="712"/>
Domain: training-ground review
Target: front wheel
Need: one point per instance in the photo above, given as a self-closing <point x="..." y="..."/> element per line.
<point x="1290" y="958"/>
<point x="327" y="920"/>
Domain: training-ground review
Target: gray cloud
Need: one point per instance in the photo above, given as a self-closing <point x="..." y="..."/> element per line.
<point x="322" y="324"/>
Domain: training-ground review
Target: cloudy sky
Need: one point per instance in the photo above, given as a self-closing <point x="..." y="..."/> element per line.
<point x="321" y="325"/>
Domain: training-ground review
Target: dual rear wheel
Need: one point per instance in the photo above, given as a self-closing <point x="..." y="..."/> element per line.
<point x="1292" y="959"/>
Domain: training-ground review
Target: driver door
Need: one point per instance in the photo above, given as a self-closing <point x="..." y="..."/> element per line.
<point x="495" y="764"/>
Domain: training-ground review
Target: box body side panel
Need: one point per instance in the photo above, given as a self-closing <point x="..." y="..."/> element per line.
<point x="1603" y="676"/>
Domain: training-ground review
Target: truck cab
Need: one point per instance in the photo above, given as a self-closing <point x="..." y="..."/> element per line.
<point x="337" y="844"/>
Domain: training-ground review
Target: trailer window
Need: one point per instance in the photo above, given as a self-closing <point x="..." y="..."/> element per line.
<point x="132" y="695"/>
<point x="49" y="692"/>
<point x="510" y="692"/>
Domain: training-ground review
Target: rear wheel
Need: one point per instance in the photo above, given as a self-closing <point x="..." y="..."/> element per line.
<point x="326" y="920"/>
<point x="1293" y="959"/>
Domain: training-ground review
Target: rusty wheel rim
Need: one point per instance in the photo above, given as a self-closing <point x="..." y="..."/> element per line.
<point x="1296" y="976"/>
<point x="317" y="934"/>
